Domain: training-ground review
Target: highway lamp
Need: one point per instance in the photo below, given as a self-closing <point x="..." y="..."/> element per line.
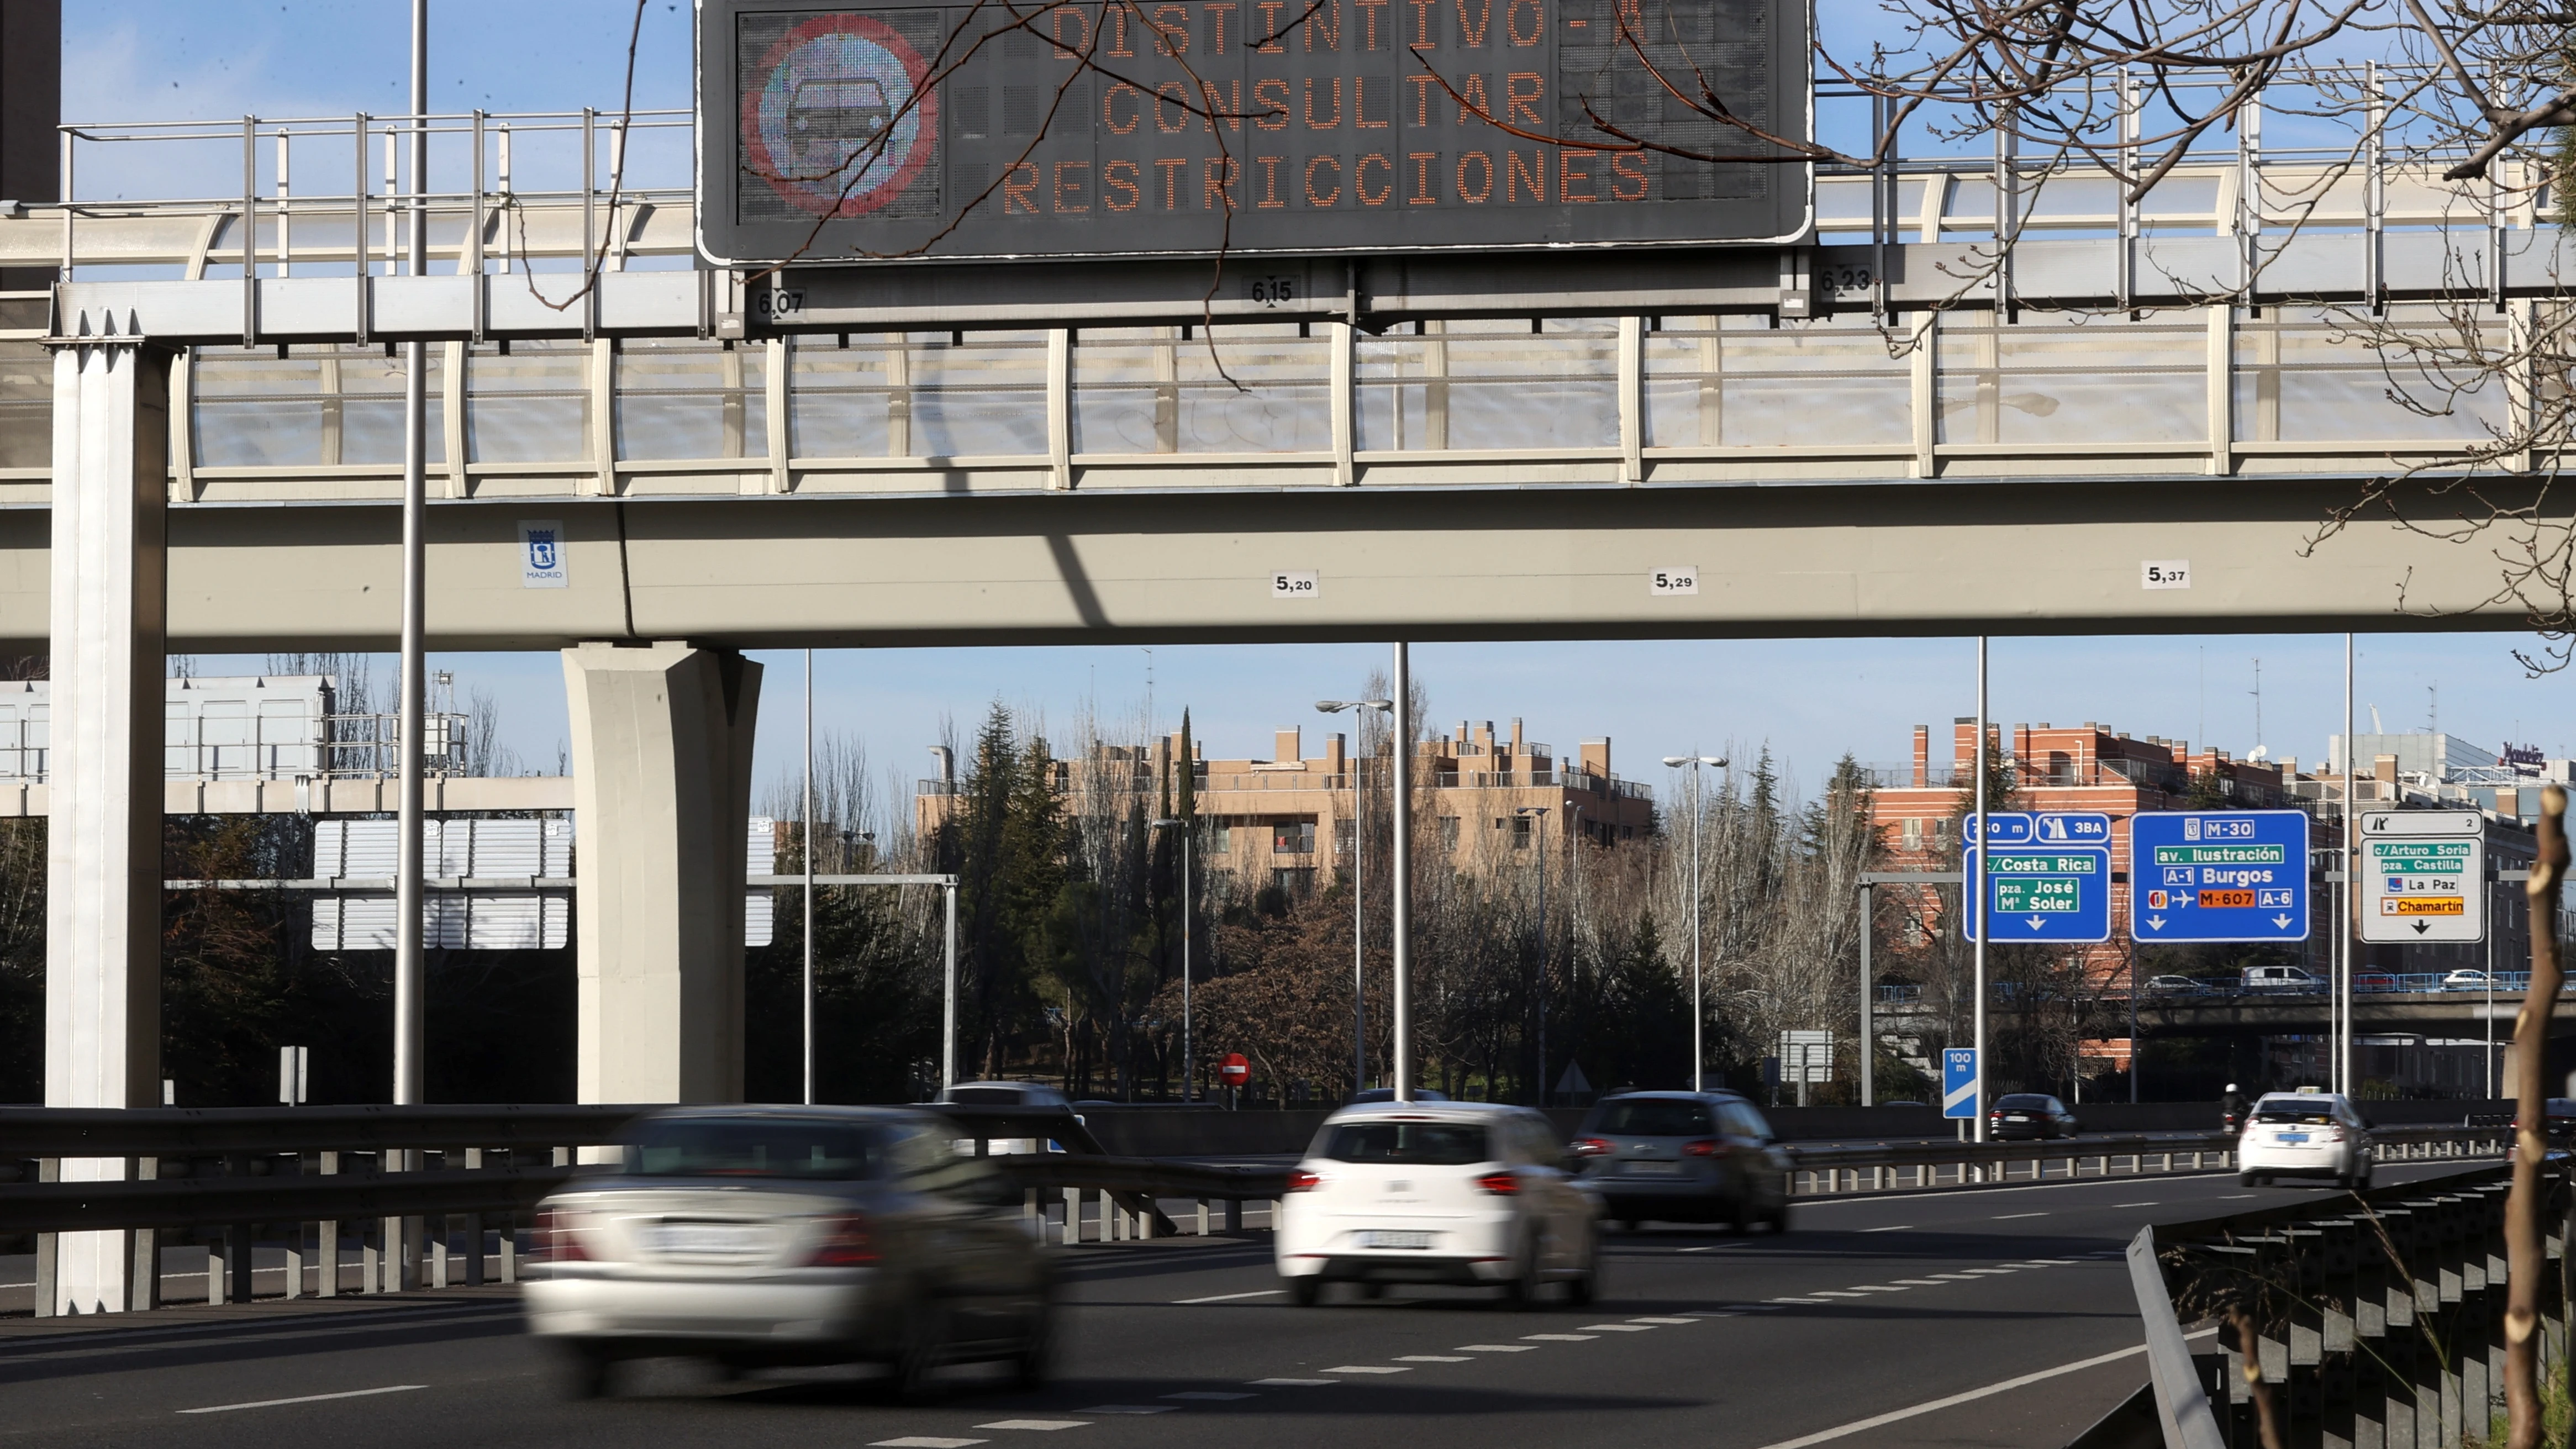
<point x="1359" y="891"/>
<point x="1189" y="1063"/>
<point x="1539" y="813"/>
<point x="1699" y="1057"/>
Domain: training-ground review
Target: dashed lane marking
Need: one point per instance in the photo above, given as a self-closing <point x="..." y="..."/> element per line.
<point x="1211" y="1396"/>
<point x="1875" y="1288"/>
<point x="1830" y="1293"/>
<point x="1659" y="1320"/>
<point x="2233" y="1196"/>
<point x="1618" y="1328"/>
<point x="1130" y="1409"/>
<point x="1367" y="1368"/>
<point x="1562" y="1337"/>
<point x="1434" y="1358"/>
<point x="1495" y="1348"/>
<point x="1988" y="1272"/>
<point x="1292" y="1383"/>
<point x="1898" y="1228"/>
<point x="2136" y="1204"/>
<point x="305" y="1399"/>
<point x="1043" y="1426"/>
<point x="1230" y="1297"/>
<point x="1920" y="1282"/>
<point x="1954" y="1277"/>
<point x="2008" y="1217"/>
<point x="923" y="1441"/>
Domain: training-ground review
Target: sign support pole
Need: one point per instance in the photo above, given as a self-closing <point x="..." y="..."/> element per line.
<point x="2341" y="1037"/>
<point x="1868" y="1040"/>
<point x="1400" y="893"/>
<point x="1976" y="887"/>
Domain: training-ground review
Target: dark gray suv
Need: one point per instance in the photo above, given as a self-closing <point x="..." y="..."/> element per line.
<point x="1683" y="1157"/>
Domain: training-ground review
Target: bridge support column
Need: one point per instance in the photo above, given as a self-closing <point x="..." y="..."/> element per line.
<point x="103" y="856"/>
<point x="661" y="741"/>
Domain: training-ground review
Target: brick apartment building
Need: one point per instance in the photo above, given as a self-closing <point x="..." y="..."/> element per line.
<point x="1288" y="821"/>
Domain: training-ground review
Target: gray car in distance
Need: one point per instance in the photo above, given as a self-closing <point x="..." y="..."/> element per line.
<point x="755" y="1237"/>
<point x="1683" y="1157"/>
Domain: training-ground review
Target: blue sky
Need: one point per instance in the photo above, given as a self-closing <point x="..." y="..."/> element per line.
<point x="1810" y="700"/>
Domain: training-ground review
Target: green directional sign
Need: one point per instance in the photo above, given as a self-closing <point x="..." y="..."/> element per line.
<point x="2423" y="875"/>
<point x="2044" y="895"/>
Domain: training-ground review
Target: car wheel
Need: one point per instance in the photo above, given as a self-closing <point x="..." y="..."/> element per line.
<point x="1779" y="1217"/>
<point x="586" y="1371"/>
<point x="1307" y="1291"/>
<point x="1630" y="1225"/>
<point x="1740" y="1216"/>
<point x="1585" y="1286"/>
<point x="2248" y="1179"/>
<point x="1370" y="1288"/>
<point x="1521" y="1291"/>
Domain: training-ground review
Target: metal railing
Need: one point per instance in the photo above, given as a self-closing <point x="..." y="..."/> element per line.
<point x="2375" y="1317"/>
<point x="1922" y="1166"/>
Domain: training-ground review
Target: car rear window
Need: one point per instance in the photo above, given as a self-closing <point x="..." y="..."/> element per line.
<point x="2284" y="1110"/>
<point x="2020" y="1103"/>
<point x="1656" y="1118"/>
<point x="757" y="1147"/>
<point x="986" y="1096"/>
<point x="1420" y="1144"/>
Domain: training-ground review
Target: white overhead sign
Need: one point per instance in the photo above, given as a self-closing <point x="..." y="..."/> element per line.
<point x="2423" y="876"/>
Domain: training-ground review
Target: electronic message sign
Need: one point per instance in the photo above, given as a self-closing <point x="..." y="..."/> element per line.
<point x="1134" y="128"/>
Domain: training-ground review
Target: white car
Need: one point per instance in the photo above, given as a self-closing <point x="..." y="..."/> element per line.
<point x="2304" y="1134"/>
<point x="1437" y="1192"/>
<point x="2467" y="980"/>
<point x="1035" y="1096"/>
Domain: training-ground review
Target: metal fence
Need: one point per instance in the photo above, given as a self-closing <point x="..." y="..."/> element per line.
<point x="1921" y="1166"/>
<point x="2371" y="1318"/>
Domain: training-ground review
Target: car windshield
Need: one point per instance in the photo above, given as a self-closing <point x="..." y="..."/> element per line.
<point x="2021" y="1103"/>
<point x="1421" y="1144"/>
<point x="990" y="1096"/>
<point x="2294" y="1109"/>
<point x="810" y="1148"/>
<point x="1653" y="1117"/>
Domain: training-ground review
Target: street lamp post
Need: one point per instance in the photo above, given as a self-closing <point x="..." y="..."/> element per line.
<point x="1359" y="888"/>
<point x="1540" y="813"/>
<point x="1189" y="1063"/>
<point x="1699" y="1058"/>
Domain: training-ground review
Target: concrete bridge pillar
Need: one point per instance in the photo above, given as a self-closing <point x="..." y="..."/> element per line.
<point x="661" y="744"/>
<point x="103" y="865"/>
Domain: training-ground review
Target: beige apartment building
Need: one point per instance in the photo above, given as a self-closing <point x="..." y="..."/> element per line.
<point x="1289" y="820"/>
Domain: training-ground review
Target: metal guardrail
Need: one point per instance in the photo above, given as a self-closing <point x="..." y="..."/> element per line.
<point x="2369" y="1318"/>
<point x="1921" y="1166"/>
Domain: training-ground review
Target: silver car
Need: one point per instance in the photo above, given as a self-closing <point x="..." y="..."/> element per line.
<point x="759" y="1236"/>
<point x="1696" y="1157"/>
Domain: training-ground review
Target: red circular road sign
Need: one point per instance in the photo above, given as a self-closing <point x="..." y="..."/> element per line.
<point x="1234" y="1071"/>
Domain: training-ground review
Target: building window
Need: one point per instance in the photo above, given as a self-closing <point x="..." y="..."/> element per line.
<point x="1220" y="839"/>
<point x="1294" y="881"/>
<point x="1292" y="837"/>
<point x="1448" y="832"/>
<point x="1914" y="835"/>
<point x="1520" y="832"/>
<point x="1345" y="837"/>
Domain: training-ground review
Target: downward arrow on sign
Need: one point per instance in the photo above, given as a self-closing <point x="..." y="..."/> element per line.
<point x="2281" y="921"/>
<point x="2156" y="923"/>
<point x="2422" y="926"/>
<point x="2038" y="921"/>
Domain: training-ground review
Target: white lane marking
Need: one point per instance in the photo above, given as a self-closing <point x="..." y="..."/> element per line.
<point x="1230" y="1297"/>
<point x="1830" y="1293"/>
<point x="1920" y="1282"/>
<point x="1048" y="1425"/>
<point x="1659" y="1320"/>
<point x="2034" y="1263"/>
<point x="1434" y="1358"/>
<point x="1367" y="1368"/>
<point x="1130" y="1409"/>
<point x="1211" y="1396"/>
<point x="923" y="1441"/>
<point x="1899" y="1228"/>
<point x="1712" y="1248"/>
<point x="2057" y="1262"/>
<point x="1291" y="1383"/>
<point x="1618" y="1328"/>
<point x="2008" y="1217"/>
<point x="1893" y="1415"/>
<point x="2136" y="1204"/>
<point x="1495" y="1348"/>
<point x="306" y="1399"/>
<point x="2233" y="1196"/>
<point x="1875" y="1288"/>
<point x="1954" y="1277"/>
<point x="1561" y="1337"/>
<point x="1988" y="1272"/>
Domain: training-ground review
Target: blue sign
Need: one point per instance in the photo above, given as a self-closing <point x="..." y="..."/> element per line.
<point x="2218" y="875"/>
<point x="1959" y="1082"/>
<point x="2008" y="827"/>
<point x="2065" y="827"/>
<point x="2043" y="895"/>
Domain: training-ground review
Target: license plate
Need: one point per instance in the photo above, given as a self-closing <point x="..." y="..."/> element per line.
<point x="1397" y="1240"/>
<point x="1651" y="1169"/>
<point x="707" y="1240"/>
<point x="2016" y="1119"/>
<point x="2294" y="1137"/>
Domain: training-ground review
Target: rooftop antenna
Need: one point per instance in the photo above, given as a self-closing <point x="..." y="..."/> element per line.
<point x="2433" y="708"/>
<point x="2375" y="726"/>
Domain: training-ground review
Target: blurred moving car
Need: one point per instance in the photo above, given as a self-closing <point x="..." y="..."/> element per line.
<point x="1437" y="1192"/>
<point x="1387" y="1094"/>
<point x="2028" y="1115"/>
<point x="1036" y="1096"/>
<point x="2306" y="1133"/>
<point x="2179" y="985"/>
<point x="758" y="1236"/>
<point x="2467" y="980"/>
<point x="1684" y="1157"/>
<point x="2282" y="978"/>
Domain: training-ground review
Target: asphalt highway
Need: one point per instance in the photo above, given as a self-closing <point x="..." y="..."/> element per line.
<point x="1992" y="1316"/>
